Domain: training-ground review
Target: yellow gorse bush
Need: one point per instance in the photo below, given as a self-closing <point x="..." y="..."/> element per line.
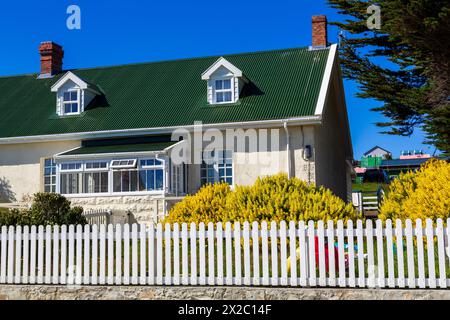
<point x="422" y="194"/>
<point x="272" y="198"/>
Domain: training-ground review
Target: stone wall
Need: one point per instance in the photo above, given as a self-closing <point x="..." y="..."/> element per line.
<point x="53" y="292"/>
<point x="144" y="209"/>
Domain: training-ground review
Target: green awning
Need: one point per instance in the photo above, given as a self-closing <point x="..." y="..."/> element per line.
<point x="114" y="146"/>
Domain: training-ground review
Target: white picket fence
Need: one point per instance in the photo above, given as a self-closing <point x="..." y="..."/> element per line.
<point x="251" y="255"/>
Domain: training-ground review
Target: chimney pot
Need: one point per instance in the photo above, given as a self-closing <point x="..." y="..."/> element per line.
<point x="51" y="59"/>
<point x="319" y="32"/>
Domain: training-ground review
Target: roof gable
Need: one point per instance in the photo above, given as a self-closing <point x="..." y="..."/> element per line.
<point x="220" y="64"/>
<point x="70" y="76"/>
<point x="375" y="148"/>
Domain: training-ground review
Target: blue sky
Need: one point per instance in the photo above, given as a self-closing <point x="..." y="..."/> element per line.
<point x="120" y="32"/>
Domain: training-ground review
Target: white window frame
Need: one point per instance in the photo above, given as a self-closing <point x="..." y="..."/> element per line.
<point x="71" y="170"/>
<point x="215" y="90"/>
<point x="96" y="169"/>
<point x="110" y="170"/>
<point x="123" y="166"/>
<point x="216" y="166"/>
<point x="77" y="101"/>
<point x="154" y="166"/>
<point x="178" y="177"/>
<point x="52" y="176"/>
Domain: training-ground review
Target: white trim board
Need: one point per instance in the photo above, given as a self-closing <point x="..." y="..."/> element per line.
<point x="221" y="62"/>
<point x="308" y="120"/>
<point x="74" y="78"/>
<point x="326" y="80"/>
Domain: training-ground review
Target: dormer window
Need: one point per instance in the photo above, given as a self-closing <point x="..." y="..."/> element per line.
<point x="223" y="91"/>
<point x="71" y="103"/>
<point x="73" y="94"/>
<point x="224" y="82"/>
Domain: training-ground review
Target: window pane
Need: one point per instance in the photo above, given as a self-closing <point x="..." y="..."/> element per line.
<point x="104" y="182"/>
<point x="227" y="96"/>
<point x="125" y="181"/>
<point x="74" y="107"/>
<point x="47" y="162"/>
<point x="66" y="96"/>
<point x="133" y="181"/>
<point x="116" y="181"/>
<point x="219" y="96"/>
<point x="70" y="183"/>
<point x="142" y="180"/>
<point x="67" y="108"/>
<point x="219" y="84"/>
<point x="150" y="180"/>
<point x="227" y="84"/>
<point x="73" y="95"/>
<point x="159" y="179"/>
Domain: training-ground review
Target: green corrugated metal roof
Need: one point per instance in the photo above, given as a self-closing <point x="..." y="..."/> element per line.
<point x="138" y="147"/>
<point x="284" y="83"/>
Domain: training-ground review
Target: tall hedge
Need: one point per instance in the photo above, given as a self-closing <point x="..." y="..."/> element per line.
<point x="421" y="194"/>
<point x="272" y="198"/>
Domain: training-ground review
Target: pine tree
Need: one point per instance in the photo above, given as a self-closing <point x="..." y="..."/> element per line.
<point x="404" y="64"/>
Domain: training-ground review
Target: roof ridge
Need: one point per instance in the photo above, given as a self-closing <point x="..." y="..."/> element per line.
<point x="171" y="60"/>
<point x="192" y="58"/>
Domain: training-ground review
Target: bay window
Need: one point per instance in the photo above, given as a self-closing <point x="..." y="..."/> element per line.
<point x="111" y="176"/>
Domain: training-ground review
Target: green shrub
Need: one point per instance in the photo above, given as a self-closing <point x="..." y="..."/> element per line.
<point x="273" y="198"/>
<point x="46" y="209"/>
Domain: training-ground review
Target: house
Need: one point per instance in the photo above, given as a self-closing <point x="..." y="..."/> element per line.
<point x="377" y="152"/>
<point x="108" y="137"/>
<point x="370" y="159"/>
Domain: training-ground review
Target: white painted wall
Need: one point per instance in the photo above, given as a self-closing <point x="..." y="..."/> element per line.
<point x="20" y="171"/>
<point x="333" y="145"/>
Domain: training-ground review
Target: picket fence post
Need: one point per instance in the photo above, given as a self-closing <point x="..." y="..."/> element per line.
<point x="237" y="253"/>
<point x="211" y="269"/>
<point x="246" y="235"/>
<point x="3" y="261"/>
<point x="400" y="259"/>
<point x="176" y="254"/>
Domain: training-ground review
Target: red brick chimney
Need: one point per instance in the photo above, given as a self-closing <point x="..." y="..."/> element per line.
<point x="51" y="58"/>
<point x="319" y="31"/>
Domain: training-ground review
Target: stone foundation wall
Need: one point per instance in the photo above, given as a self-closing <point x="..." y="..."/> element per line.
<point x="144" y="209"/>
<point x="53" y="292"/>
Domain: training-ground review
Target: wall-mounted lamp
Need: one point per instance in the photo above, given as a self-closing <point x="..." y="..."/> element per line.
<point x="307" y="152"/>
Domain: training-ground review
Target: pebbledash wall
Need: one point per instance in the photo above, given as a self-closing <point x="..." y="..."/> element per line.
<point x="58" y="292"/>
<point x="21" y="170"/>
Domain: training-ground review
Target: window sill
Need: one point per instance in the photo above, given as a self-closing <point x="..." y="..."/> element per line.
<point x="65" y="116"/>
<point x="221" y="104"/>
<point x="116" y="194"/>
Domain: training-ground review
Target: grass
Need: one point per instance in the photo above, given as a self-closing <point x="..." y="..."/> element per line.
<point x="369" y="186"/>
